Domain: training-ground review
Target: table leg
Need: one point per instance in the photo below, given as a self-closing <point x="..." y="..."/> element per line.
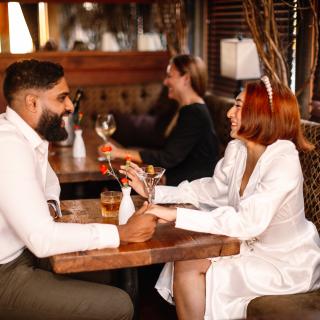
<point x="130" y="283"/>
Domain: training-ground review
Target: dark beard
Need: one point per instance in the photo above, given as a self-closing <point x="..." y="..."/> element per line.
<point x="49" y="127"/>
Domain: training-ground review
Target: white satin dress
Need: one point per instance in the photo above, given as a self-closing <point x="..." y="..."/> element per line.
<point x="279" y="252"/>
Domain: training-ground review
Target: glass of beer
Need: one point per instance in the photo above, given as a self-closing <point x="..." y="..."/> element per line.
<point x="110" y="203"/>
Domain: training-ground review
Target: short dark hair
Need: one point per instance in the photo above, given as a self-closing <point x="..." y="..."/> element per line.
<point x="28" y="74"/>
<point x="196" y="68"/>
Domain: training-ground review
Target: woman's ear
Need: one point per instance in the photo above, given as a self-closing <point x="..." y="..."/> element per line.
<point x="31" y="102"/>
<point x="187" y="79"/>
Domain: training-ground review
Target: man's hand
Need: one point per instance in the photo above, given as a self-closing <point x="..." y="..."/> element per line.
<point x="139" y="228"/>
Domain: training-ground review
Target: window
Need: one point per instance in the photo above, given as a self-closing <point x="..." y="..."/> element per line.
<point x="107" y="26"/>
<point x="227" y="20"/>
<point x="20" y="38"/>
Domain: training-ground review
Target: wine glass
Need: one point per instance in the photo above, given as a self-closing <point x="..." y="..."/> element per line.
<point x="151" y="179"/>
<point x="105" y="126"/>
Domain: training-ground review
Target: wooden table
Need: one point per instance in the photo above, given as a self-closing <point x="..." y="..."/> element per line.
<point x="167" y="244"/>
<point x="70" y="170"/>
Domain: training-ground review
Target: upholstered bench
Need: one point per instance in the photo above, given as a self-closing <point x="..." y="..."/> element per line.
<point x="303" y="305"/>
<point x="142" y="111"/>
<point x="218" y="107"/>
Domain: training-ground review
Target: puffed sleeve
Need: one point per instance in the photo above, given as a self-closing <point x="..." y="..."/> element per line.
<point x="204" y="192"/>
<point x="280" y="179"/>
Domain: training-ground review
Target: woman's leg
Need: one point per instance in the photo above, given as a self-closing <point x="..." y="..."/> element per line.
<point x="189" y="288"/>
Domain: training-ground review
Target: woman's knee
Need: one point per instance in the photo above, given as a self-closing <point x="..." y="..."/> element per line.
<point x="197" y="266"/>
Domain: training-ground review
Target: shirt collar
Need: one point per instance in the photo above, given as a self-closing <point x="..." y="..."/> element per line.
<point x="30" y="134"/>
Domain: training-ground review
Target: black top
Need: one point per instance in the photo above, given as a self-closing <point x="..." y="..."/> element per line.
<point x="191" y="150"/>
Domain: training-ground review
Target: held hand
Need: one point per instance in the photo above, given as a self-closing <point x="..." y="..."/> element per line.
<point x="163" y="213"/>
<point x="115" y="152"/>
<point x="108" y="144"/>
<point x="139" y="228"/>
<point x="134" y="180"/>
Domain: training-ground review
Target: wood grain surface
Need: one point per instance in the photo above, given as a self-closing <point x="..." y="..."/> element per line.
<point x="167" y="244"/>
<point x="69" y="169"/>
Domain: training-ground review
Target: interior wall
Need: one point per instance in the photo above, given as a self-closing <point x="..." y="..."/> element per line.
<point x="90" y="68"/>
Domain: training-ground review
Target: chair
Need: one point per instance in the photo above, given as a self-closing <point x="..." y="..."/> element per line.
<point x="301" y="305"/>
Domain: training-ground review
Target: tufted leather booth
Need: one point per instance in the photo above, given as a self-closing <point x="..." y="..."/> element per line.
<point x="142" y="111"/>
<point x="129" y="99"/>
<point x="218" y="107"/>
<point x="302" y="305"/>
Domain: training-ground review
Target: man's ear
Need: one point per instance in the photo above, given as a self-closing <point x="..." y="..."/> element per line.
<point x="31" y="102"/>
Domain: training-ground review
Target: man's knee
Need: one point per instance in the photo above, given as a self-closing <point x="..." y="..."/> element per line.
<point x="120" y="306"/>
<point x="125" y="306"/>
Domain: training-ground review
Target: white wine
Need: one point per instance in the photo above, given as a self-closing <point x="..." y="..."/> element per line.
<point x="105" y="126"/>
<point x="105" y="132"/>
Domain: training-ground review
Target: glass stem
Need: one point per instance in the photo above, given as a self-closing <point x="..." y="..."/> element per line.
<point x="150" y="197"/>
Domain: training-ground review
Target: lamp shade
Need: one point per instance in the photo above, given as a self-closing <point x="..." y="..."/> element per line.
<point x="239" y="59"/>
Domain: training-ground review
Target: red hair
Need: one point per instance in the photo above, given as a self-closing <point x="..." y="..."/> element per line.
<point x="264" y="124"/>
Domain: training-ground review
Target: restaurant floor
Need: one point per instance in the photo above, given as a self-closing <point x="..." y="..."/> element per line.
<point x="152" y="305"/>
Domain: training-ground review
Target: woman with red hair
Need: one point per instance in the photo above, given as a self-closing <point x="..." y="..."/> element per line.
<point x="256" y="195"/>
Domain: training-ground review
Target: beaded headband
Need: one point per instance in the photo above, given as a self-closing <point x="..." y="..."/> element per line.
<point x="267" y="84"/>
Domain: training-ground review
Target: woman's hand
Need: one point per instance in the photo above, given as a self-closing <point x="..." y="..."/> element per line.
<point x="165" y="214"/>
<point x="116" y="151"/>
<point x="132" y="171"/>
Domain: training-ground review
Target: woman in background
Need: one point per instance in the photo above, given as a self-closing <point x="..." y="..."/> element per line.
<point x="191" y="147"/>
<point x="256" y="195"/>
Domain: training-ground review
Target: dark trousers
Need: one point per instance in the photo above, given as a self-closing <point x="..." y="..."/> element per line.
<point x="29" y="292"/>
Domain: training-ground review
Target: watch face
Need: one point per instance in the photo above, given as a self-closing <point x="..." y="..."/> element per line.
<point x="54" y="205"/>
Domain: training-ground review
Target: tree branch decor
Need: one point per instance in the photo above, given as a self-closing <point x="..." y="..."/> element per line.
<point x="260" y="17"/>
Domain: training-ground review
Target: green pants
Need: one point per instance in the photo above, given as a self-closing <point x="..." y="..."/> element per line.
<point x="28" y="292"/>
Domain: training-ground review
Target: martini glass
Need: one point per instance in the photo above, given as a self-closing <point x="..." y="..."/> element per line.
<point x="151" y="179"/>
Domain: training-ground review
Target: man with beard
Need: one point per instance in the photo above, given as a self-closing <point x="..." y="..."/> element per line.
<point x="38" y="97"/>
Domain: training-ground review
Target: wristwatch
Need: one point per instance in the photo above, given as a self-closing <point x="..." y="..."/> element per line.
<point x="54" y="204"/>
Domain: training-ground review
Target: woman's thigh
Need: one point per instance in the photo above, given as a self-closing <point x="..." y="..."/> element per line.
<point x="198" y="266"/>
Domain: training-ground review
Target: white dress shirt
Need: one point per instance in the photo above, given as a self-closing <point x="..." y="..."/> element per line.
<point x="27" y="181"/>
<point x="279" y="252"/>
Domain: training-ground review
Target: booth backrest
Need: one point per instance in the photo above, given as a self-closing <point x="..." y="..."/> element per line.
<point x="126" y="99"/>
<point x="310" y="163"/>
<point x="142" y="111"/>
<point x="218" y="107"/>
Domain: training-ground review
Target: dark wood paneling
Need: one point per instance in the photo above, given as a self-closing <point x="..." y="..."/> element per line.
<point x="90" y="68"/>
